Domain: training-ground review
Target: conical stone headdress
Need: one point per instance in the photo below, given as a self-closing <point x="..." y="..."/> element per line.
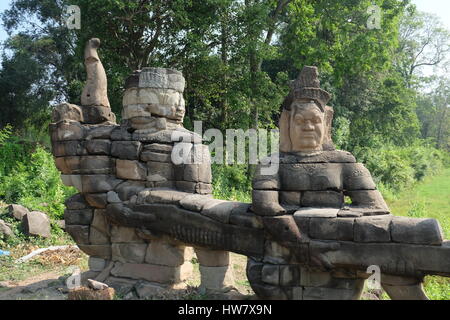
<point x="307" y="86"/>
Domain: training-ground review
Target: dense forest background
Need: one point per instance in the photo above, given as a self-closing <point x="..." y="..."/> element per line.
<point x="237" y="57"/>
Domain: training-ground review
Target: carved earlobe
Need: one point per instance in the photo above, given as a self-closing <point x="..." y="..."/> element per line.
<point x="285" y="140"/>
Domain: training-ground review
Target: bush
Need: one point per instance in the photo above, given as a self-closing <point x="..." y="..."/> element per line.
<point x="231" y="182"/>
<point x="28" y="176"/>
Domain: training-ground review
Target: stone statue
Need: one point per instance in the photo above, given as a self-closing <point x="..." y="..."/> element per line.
<point x="138" y="211"/>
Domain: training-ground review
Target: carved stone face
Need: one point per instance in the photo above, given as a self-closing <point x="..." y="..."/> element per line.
<point x="306" y="129"/>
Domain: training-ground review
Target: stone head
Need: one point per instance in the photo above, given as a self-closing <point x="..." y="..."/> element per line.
<point x="153" y="99"/>
<point x="305" y="122"/>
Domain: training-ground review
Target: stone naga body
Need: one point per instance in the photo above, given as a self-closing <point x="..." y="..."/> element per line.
<point x="302" y="239"/>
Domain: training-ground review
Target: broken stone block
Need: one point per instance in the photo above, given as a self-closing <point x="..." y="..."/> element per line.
<point x="147" y="290"/>
<point x="97" y="114"/>
<point x="416" y="231"/>
<point x="331" y="229"/>
<point x="156" y="157"/>
<point x="163" y="253"/>
<point x="80" y="234"/>
<point x="212" y="258"/>
<point x="67" y="111"/>
<point x="373" y="229"/>
<point x="100" y="131"/>
<point x="132" y="170"/>
<point x="126" y="150"/>
<point x="98" y="147"/>
<point x="83" y="293"/>
<point x="99" y="183"/>
<point x="78" y="217"/>
<point x="36" y="223"/>
<point x="96" y="285"/>
<point x="95" y="165"/>
<point x="129" y="252"/>
<point x="330" y="199"/>
<point x="68" y="148"/>
<point x="113" y="197"/>
<point x="17" y="211"/>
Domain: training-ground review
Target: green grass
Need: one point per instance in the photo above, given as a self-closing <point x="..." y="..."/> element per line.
<point x="429" y="199"/>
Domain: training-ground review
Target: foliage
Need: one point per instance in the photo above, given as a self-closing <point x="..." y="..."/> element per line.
<point x="28" y="176"/>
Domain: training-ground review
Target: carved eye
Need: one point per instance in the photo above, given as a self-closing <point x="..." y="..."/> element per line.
<point x="317" y="120"/>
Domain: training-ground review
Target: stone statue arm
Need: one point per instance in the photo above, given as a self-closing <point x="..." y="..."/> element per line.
<point x="266" y="186"/>
<point x="361" y="189"/>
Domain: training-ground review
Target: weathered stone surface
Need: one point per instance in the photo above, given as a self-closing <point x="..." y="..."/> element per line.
<point x="410" y="292"/>
<point x="290" y="198"/>
<point x="122" y="286"/>
<point x="216" y="278"/>
<point x="5" y="230"/>
<point x="68" y="148"/>
<point x="99" y="251"/>
<point x="270" y="274"/>
<point x="78" y="217"/>
<point x="100" y="228"/>
<point x="212" y="258"/>
<point x="80" y="234"/>
<point x="72" y="181"/>
<point x="132" y="170"/>
<point x="330" y="199"/>
<point x="128" y="189"/>
<point x="121" y="234"/>
<point x="314" y="176"/>
<point x="67" y="111"/>
<point x="316" y="213"/>
<point x="159" y="171"/>
<point x="198" y="172"/>
<point x="332" y="229"/>
<point x="265" y="202"/>
<point x="113" y="197"/>
<point x="357" y="177"/>
<point x="98" y="147"/>
<point x="120" y="133"/>
<point x="274" y="253"/>
<point x="157" y="78"/>
<point x="335" y="156"/>
<point x="152" y="273"/>
<point x="289" y="275"/>
<point x="268" y="183"/>
<point x="245" y="218"/>
<point x="147" y="290"/>
<point x="98" y="183"/>
<point x="195" y="202"/>
<point x="269" y="292"/>
<point x="283" y="228"/>
<point x="36" y="223"/>
<point x="163" y="253"/>
<point x="95" y="165"/>
<point x="100" y="131"/>
<point x="129" y="252"/>
<point x="67" y="130"/>
<point x="84" y="293"/>
<point x="203" y="188"/>
<point x="416" y="231"/>
<point x="373" y="229"/>
<point x="17" y="211"/>
<point x="219" y="210"/>
<point x="97" y="114"/>
<point x="367" y="199"/>
<point x="97" y="264"/>
<point x="316" y="293"/>
<point x="156" y="157"/>
<point x="168" y="196"/>
<point x="126" y="150"/>
<point x="96" y="200"/>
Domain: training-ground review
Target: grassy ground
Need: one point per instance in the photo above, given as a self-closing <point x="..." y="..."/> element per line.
<point x="429" y="199"/>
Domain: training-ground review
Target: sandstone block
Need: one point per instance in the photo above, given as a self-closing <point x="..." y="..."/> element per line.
<point x="128" y="189"/>
<point x="219" y="210"/>
<point x="195" y="202"/>
<point x="331" y="199"/>
<point x="80" y="234"/>
<point x="78" y="217"/>
<point x="332" y="229"/>
<point x="67" y="130"/>
<point x="216" y="278"/>
<point x="159" y="171"/>
<point x="416" y="231"/>
<point x="368" y="199"/>
<point x="357" y="177"/>
<point x="132" y="170"/>
<point x="121" y="234"/>
<point x="212" y="258"/>
<point x="96" y="200"/>
<point x="310" y="176"/>
<point x="126" y="150"/>
<point x="316" y="213"/>
<point x="99" y="183"/>
<point x="290" y="198"/>
<point x="98" y="147"/>
<point x="97" y="264"/>
<point x="129" y="252"/>
<point x="17" y="211"/>
<point x="98" y="251"/>
<point x="67" y="111"/>
<point x="36" y="223"/>
<point x="162" y="253"/>
<point x="373" y="229"/>
<point x="72" y="181"/>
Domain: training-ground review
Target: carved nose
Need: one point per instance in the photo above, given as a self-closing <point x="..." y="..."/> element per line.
<point x="308" y="126"/>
